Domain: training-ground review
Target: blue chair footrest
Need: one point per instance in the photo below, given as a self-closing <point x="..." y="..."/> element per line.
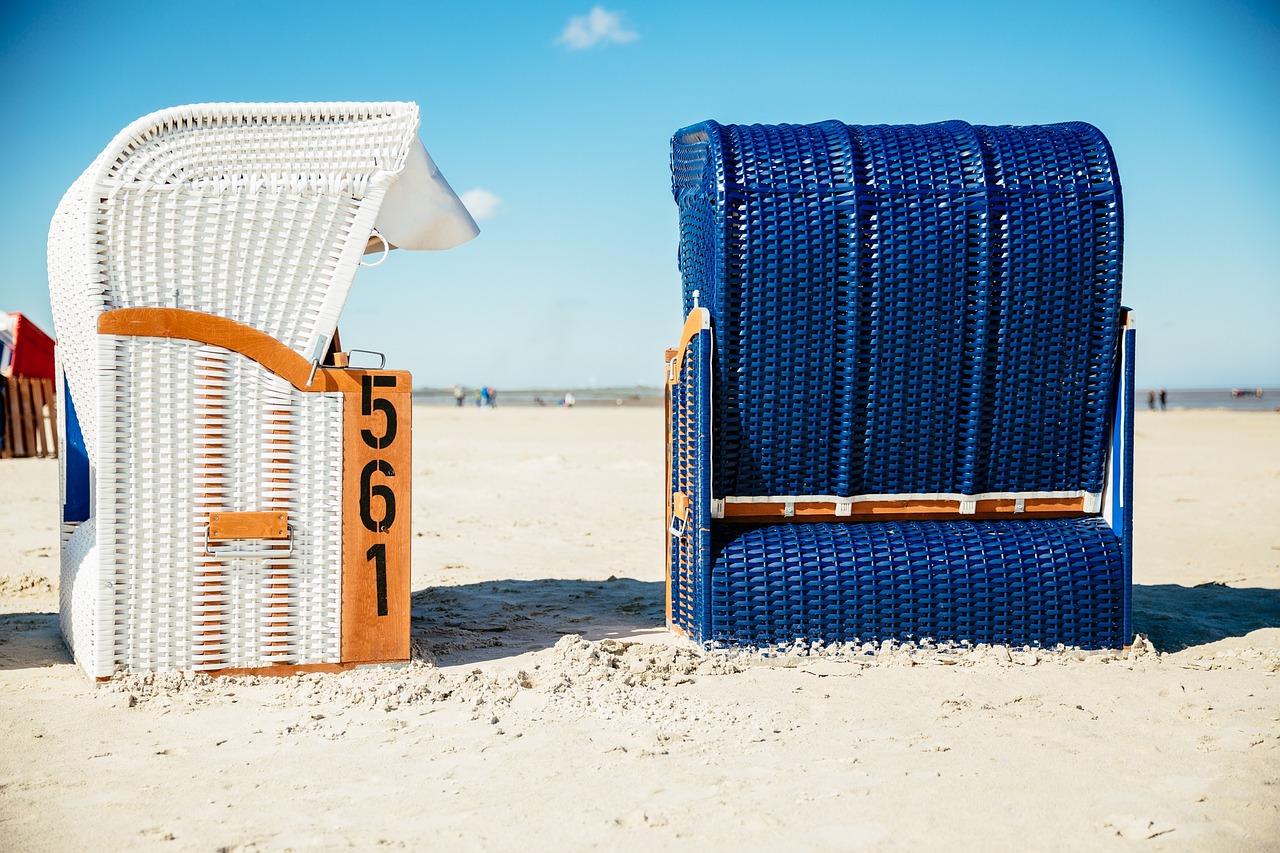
<point x="1034" y="582"/>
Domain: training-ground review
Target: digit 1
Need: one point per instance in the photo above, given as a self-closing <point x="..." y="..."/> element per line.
<point x="378" y="554"/>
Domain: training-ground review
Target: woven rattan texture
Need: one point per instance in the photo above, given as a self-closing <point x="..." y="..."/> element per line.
<point x="1013" y="581"/>
<point x="78" y="596"/>
<point x="236" y="444"/>
<point x="913" y="309"/>
<point x="259" y="213"/>
<point x="1026" y="583"/>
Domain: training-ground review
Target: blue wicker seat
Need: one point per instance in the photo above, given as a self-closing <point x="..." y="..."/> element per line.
<point x="901" y="404"/>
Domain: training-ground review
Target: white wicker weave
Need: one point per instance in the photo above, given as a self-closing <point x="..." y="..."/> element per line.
<point x="259" y="213"/>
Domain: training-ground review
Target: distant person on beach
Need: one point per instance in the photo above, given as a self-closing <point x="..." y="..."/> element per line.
<point x="1163" y="400"/>
<point x="458" y="395"/>
<point x="493" y="398"/>
<point x="538" y="401"/>
<point x="1151" y="400"/>
<point x="484" y="396"/>
<point x="479" y="398"/>
<point x="568" y="400"/>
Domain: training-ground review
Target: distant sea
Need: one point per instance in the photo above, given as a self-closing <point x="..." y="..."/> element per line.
<point x="1266" y="399"/>
<point x="1234" y="399"/>
<point x="635" y="396"/>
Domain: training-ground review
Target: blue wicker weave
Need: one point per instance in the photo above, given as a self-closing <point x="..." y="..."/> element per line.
<point x="1030" y="582"/>
<point x="912" y="310"/>
<point x="690" y="413"/>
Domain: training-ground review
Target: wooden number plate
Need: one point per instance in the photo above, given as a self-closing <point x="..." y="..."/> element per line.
<point x="376" y="507"/>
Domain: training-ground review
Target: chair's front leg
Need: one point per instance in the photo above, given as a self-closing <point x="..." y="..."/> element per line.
<point x="688" y="517"/>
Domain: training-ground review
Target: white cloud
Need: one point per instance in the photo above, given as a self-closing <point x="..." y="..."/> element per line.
<point x="482" y="203"/>
<point x="598" y="26"/>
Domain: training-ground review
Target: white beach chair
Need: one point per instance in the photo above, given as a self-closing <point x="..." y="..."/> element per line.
<point x="230" y="500"/>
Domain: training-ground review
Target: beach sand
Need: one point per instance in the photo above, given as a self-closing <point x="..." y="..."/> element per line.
<point x="549" y="709"/>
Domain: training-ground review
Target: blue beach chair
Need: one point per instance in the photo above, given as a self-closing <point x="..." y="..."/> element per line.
<point x="901" y="406"/>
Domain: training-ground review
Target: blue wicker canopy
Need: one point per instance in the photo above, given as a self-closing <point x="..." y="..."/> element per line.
<point x="904" y="309"/>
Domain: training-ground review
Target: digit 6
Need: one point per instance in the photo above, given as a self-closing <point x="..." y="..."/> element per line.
<point x="368" y="492"/>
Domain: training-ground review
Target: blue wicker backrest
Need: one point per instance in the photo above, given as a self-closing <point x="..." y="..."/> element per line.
<point x="904" y="309"/>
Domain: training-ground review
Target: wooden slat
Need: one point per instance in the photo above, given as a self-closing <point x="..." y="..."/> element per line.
<point x="14" y="421"/>
<point x="25" y="417"/>
<point x="228" y="334"/>
<point x="248" y="525"/>
<point x="38" y="417"/>
<point x="51" y="393"/>
<point x="21" y="431"/>
<point x="7" y="450"/>
<point x="907" y="510"/>
<point x="35" y="416"/>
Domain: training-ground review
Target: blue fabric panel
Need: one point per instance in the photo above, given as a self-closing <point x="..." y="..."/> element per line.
<point x="76" y="504"/>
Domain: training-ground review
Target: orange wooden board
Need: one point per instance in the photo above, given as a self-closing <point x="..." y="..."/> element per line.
<point x="228" y="334"/>
<point x="248" y="525"/>
<point x="376" y="511"/>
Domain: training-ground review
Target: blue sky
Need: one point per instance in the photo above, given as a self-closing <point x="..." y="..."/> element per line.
<point x="563" y="117"/>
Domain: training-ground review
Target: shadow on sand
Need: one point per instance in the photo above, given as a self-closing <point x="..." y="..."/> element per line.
<point x="31" y="641"/>
<point x="450" y="624"/>
<point x="1176" y="617"/>
<point x="484" y="621"/>
<point x="494" y="619"/>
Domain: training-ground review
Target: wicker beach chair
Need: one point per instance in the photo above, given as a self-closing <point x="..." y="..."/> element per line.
<point x="901" y="406"/>
<point x="230" y="492"/>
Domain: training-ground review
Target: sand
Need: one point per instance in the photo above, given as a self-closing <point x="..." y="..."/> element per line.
<point x="547" y="707"/>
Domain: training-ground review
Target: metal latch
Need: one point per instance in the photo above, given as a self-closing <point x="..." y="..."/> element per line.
<point x="679" y="514"/>
<point x="240" y="526"/>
